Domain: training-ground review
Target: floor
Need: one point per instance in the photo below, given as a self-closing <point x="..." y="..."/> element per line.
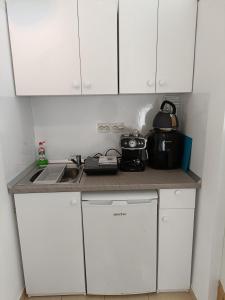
<point x="162" y="296"/>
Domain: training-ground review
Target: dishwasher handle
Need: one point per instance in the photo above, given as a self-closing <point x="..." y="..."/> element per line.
<point x="117" y="202"/>
<point x="122" y="203"/>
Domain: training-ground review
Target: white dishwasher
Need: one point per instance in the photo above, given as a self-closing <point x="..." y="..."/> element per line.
<point x="120" y="238"/>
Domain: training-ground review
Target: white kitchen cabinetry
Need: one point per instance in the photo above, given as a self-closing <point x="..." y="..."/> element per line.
<point x="157" y="42"/>
<point x="98" y="46"/>
<point x="137" y="45"/>
<point x="70" y="47"/>
<point x="176" y="44"/>
<point x="45" y="46"/>
<point x="50" y="231"/>
<point x="176" y="222"/>
<point x="57" y="45"/>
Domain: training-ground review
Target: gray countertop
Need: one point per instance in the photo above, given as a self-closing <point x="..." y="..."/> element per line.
<point x="149" y="179"/>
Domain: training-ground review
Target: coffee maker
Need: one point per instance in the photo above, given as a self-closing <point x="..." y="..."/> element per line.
<point x="165" y="142"/>
<point x="134" y="152"/>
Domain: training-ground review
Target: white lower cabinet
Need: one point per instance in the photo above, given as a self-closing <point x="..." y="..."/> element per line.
<point x="176" y="222"/>
<point x="50" y="231"/>
<point x="120" y="233"/>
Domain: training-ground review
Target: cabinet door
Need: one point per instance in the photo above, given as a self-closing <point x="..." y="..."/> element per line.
<point x="45" y="46"/>
<point x="176" y="44"/>
<point x="98" y="46"/>
<point x="51" y="242"/>
<point x="175" y="249"/>
<point x="137" y="45"/>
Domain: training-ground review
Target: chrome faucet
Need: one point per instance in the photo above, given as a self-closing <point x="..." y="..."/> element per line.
<point x="76" y="160"/>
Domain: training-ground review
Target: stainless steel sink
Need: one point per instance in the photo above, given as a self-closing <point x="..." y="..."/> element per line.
<point x="70" y="174"/>
<point x="54" y="174"/>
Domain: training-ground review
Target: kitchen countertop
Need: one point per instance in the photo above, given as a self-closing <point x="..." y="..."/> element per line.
<point x="147" y="180"/>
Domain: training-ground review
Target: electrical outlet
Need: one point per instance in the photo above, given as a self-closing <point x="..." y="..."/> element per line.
<point x="117" y="127"/>
<point x="103" y="127"/>
<point x="110" y="127"/>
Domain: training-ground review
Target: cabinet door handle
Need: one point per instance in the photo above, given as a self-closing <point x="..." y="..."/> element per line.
<point x="177" y="192"/>
<point x="121" y="203"/>
<point x="150" y="83"/>
<point x="87" y="85"/>
<point x="76" y="85"/>
<point x="162" y="82"/>
<point x="73" y="202"/>
<point x="164" y="219"/>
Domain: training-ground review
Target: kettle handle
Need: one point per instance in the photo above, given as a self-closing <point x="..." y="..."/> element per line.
<point x="171" y="104"/>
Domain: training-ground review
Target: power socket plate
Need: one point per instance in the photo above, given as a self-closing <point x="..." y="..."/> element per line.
<point x="110" y="127"/>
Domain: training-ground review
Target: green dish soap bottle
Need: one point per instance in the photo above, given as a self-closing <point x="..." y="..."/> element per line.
<point x="42" y="161"/>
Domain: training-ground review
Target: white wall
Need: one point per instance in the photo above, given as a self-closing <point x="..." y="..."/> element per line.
<point x="204" y="120"/>
<point x="222" y="272"/>
<point x="68" y="124"/>
<point x="11" y="279"/>
<point x="16" y="123"/>
<point x="16" y="135"/>
<point x="16" y="152"/>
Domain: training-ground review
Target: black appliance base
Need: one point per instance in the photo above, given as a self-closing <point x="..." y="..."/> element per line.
<point x="132" y="166"/>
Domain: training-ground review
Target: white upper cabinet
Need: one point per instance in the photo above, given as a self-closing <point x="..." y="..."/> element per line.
<point x="98" y="46"/>
<point x="45" y="46"/>
<point x="176" y="43"/>
<point x="137" y="45"/>
<point x="156" y="41"/>
<point x="71" y="47"/>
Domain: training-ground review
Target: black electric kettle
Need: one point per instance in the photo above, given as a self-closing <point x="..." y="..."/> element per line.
<point x="166" y="120"/>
